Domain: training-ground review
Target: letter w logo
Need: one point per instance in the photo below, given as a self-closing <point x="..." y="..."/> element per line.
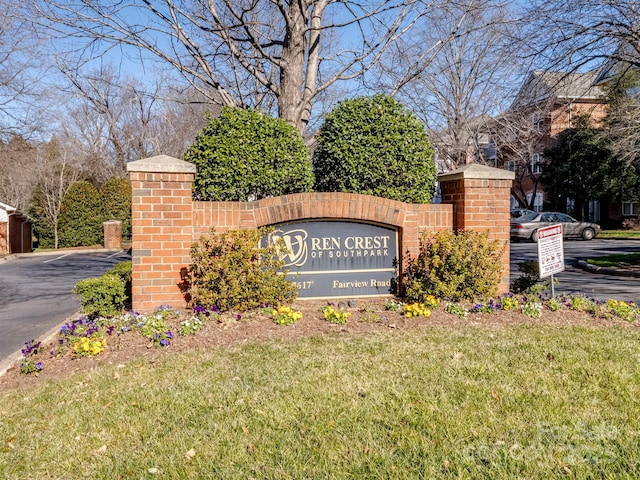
<point x="295" y="244"/>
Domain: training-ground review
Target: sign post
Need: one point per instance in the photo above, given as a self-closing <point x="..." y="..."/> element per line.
<point x="550" y="252"/>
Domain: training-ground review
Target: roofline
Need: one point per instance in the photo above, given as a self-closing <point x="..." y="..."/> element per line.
<point x="6" y="207"/>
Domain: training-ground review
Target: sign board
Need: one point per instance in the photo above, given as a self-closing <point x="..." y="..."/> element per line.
<point x="338" y="258"/>
<point x="550" y="250"/>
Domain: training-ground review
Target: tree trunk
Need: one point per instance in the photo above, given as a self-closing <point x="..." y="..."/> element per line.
<point x="292" y="66"/>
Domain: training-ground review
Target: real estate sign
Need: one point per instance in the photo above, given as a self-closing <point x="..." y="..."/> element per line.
<point x="550" y="250"/>
<point x="338" y="258"/>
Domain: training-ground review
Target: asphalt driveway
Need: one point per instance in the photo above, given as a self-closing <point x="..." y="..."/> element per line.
<point x="35" y="292"/>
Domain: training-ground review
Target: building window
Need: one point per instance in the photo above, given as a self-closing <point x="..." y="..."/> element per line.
<point x="537" y="203"/>
<point x="535" y="163"/>
<point x="537" y="121"/>
<point x="630" y="209"/>
<point x="510" y="165"/>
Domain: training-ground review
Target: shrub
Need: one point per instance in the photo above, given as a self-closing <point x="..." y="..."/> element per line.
<point x="115" y="195"/>
<point x="372" y="145"/>
<point x="103" y="296"/>
<point x="631" y="224"/>
<point x="232" y="272"/>
<point x="81" y="216"/>
<point x="123" y="270"/>
<point x="456" y="266"/>
<point x="246" y="155"/>
<point x="529" y="277"/>
<point x="43" y="227"/>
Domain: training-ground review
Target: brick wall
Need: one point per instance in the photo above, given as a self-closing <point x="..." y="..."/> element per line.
<point x="480" y="196"/>
<point x="165" y="220"/>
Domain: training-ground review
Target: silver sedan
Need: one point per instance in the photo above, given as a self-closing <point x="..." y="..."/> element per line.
<point x="526" y="227"/>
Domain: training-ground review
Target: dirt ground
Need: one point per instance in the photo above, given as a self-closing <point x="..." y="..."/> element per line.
<point x="367" y="315"/>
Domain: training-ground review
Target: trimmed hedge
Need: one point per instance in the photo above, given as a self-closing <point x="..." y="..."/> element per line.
<point x="372" y="145"/>
<point x="246" y="155"/>
<point x="81" y="216"/>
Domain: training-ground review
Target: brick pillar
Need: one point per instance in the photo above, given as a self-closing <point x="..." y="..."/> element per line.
<point x="112" y="234"/>
<point x="161" y="224"/>
<point x="481" y="199"/>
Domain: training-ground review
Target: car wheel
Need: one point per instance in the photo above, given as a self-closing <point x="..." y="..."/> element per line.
<point x="534" y="236"/>
<point x="588" y="234"/>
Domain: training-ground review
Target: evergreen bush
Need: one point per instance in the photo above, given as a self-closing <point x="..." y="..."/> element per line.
<point x="457" y="266"/>
<point x="81" y="216"/>
<point x="232" y="272"/>
<point x="43" y="228"/>
<point x="372" y="145"/>
<point x="247" y="155"/>
<point x="123" y="270"/>
<point x="115" y="196"/>
<point x="104" y="296"/>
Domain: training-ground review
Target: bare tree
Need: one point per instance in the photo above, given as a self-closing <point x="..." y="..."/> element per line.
<point x="56" y="173"/>
<point x="622" y="93"/>
<point x="517" y="138"/>
<point x="111" y="116"/>
<point x="467" y="79"/>
<point x="18" y="160"/>
<point x="181" y="116"/>
<point x="256" y="53"/>
<point x="117" y="120"/>
<point x="18" y="75"/>
<point x="575" y="34"/>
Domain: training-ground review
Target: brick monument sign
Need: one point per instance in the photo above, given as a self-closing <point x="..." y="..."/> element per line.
<point x="348" y="241"/>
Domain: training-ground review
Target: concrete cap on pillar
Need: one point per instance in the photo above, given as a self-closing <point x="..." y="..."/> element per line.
<point x="161" y="163"/>
<point x="477" y="171"/>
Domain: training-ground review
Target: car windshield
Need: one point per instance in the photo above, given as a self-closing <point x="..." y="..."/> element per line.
<point x="529" y="217"/>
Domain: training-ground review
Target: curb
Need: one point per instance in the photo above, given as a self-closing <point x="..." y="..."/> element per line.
<point x="618" y="272"/>
<point x="14" y="358"/>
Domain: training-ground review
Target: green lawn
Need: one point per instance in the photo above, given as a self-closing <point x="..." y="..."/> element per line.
<point x="616" y="260"/>
<point x="530" y="402"/>
<point x="622" y="234"/>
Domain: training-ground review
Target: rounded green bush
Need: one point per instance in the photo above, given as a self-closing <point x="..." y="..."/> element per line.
<point x="372" y="145"/>
<point x="104" y="296"/>
<point x="231" y="271"/>
<point x="463" y="265"/>
<point x="246" y="155"/>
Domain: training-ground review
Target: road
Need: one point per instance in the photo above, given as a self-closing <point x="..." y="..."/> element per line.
<point x="35" y="292"/>
<point x="574" y="280"/>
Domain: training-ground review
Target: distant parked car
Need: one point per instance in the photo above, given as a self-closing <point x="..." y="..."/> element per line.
<point x="526" y="227"/>
<point x="518" y="212"/>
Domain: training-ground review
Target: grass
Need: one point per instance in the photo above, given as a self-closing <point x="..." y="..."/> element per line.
<point x="616" y="260"/>
<point x="534" y="402"/>
<point x="620" y="234"/>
